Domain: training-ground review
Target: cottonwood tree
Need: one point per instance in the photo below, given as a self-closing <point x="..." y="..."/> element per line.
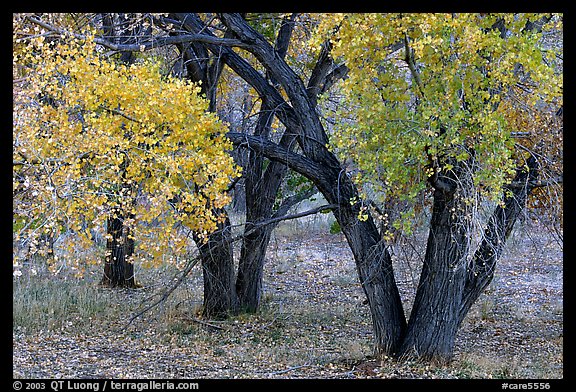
<point x="429" y="110"/>
<point x="98" y="141"/>
<point x="262" y="178"/>
<point x="129" y="33"/>
<point x="437" y="114"/>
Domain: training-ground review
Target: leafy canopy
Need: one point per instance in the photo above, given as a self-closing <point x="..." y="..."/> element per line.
<point x="425" y="92"/>
<point x="94" y="139"/>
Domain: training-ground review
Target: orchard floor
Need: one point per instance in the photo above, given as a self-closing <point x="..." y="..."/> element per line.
<point x="313" y="322"/>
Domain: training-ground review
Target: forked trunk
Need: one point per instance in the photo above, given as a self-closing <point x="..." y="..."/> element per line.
<point x="434" y="319"/>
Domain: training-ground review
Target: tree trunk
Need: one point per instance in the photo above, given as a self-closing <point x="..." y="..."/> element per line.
<point x="220" y="299"/>
<point x="118" y="266"/>
<point x="373" y="262"/>
<point x="261" y="187"/>
<point x="216" y="254"/>
<point x="449" y="285"/>
<point x="374" y="266"/>
<point x="260" y="194"/>
<point x="251" y="269"/>
<point x="434" y="319"/>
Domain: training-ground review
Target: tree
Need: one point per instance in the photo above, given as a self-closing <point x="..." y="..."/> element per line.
<point x="436" y="115"/>
<point x="431" y="109"/>
<point x="126" y="34"/>
<point x="262" y="180"/>
<point x="96" y="140"/>
<point x="118" y="268"/>
<point x="433" y="116"/>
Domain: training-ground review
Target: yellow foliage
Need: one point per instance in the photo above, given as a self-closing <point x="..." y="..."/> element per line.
<point x="97" y="138"/>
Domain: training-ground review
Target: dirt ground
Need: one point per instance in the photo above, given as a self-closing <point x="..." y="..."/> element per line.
<point x="313" y="324"/>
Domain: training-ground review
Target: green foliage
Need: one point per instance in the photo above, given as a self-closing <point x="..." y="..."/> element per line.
<point x="266" y="24"/>
<point x="428" y="92"/>
<point x="335" y="228"/>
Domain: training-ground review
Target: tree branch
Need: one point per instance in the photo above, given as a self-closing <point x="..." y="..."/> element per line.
<point x="301" y="164"/>
<point x="191" y="264"/>
<point x="242" y="68"/>
<point x="256" y="226"/>
<point x="535" y="184"/>
<point x="291" y="201"/>
<point x="153" y="43"/>
<point x="412" y="65"/>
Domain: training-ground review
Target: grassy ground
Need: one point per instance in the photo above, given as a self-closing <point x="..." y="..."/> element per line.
<point x="312" y="324"/>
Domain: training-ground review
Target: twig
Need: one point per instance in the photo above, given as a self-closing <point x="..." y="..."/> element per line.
<point x="256" y="226"/>
<point x="158" y="42"/>
<point x="412" y="65"/>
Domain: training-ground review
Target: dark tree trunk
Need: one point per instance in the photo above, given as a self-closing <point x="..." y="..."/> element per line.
<point x="447" y="286"/>
<point x="220" y="299"/>
<point x="251" y="269"/>
<point x="373" y="263"/>
<point x="434" y="318"/>
<point x="118" y="263"/>
<point x="216" y="253"/>
<point x="118" y="266"/>
<point x="262" y="186"/>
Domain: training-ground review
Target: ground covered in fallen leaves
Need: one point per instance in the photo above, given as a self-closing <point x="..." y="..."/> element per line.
<point x="313" y="323"/>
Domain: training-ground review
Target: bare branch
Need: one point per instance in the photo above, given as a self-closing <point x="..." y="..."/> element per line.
<point x="191" y="264"/>
<point x="256" y="226"/>
<point x="155" y="42"/>
<point x="536" y="184"/>
<point x="412" y="65"/>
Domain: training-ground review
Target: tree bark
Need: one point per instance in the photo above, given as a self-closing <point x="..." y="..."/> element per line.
<point x="448" y="284"/>
<point x="434" y="319"/>
<point x="216" y="254"/>
<point x="118" y="266"/>
<point x="220" y="299"/>
<point x="373" y="263"/>
<point x="261" y="188"/>
<point x="260" y="195"/>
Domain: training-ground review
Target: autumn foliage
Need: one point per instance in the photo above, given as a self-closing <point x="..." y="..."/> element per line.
<point x="95" y="139"/>
<point x="427" y="92"/>
<point x="452" y="119"/>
